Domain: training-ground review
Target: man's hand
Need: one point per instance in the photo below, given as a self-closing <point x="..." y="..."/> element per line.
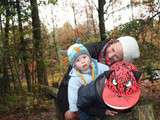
<point x="111" y="113"/>
<point x="71" y="115"/>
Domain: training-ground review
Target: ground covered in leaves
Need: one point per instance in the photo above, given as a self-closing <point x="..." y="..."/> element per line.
<point x="39" y="114"/>
<point x="28" y="110"/>
<point x="151" y="94"/>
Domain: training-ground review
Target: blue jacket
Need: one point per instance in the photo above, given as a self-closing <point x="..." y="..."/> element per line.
<point x="75" y="82"/>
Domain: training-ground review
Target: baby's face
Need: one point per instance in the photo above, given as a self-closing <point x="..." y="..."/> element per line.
<point x="82" y="62"/>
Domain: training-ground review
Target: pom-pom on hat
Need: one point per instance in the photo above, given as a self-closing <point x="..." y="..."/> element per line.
<point x="130" y="47"/>
<point x="122" y="87"/>
<point x="74" y="51"/>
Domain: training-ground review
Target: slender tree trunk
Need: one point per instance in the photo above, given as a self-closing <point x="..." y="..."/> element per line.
<point x="54" y="38"/>
<point x="93" y="23"/>
<point x="101" y="4"/>
<point x="86" y="10"/>
<point x="13" y="30"/>
<point x="131" y="4"/>
<point x="2" y="81"/>
<point x="91" y="17"/>
<point x="5" y="82"/>
<point x="22" y="49"/>
<point x="75" y="22"/>
<point x="1" y="25"/>
<point x="1" y="69"/>
<point x="38" y="44"/>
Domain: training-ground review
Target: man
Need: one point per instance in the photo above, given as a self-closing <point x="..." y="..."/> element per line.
<point x="123" y="48"/>
<point x="117" y="89"/>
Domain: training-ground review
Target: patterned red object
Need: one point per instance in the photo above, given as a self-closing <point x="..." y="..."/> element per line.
<point x="122" y="87"/>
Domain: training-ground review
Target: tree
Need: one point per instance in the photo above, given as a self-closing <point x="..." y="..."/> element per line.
<point x="22" y="44"/>
<point x="75" y="20"/>
<point x="90" y="19"/>
<point x="54" y="37"/>
<point x="38" y="43"/>
<point x="101" y="4"/>
<point x="65" y="39"/>
<point x="5" y="82"/>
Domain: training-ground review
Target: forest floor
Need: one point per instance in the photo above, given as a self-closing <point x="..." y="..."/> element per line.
<point x="38" y="113"/>
<point x="151" y="94"/>
<point x="150" y="91"/>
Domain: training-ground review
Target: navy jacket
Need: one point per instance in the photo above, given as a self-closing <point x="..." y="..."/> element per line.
<point x="89" y="97"/>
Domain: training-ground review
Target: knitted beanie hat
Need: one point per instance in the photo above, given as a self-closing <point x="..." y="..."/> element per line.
<point x="130" y="47"/>
<point x="74" y="51"/>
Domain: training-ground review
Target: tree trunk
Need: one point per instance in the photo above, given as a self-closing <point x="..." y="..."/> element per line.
<point x="101" y="4"/>
<point x="5" y="83"/>
<point x="54" y="38"/>
<point x="75" y="22"/>
<point x="90" y="18"/>
<point x="131" y="4"/>
<point x="2" y="81"/>
<point x="1" y="25"/>
<point x="22" y="49"/>
<point x="87" y="14"/>
<point x="41" y="70"/>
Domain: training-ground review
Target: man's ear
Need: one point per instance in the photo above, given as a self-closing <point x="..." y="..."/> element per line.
<point x="137" y="74"/>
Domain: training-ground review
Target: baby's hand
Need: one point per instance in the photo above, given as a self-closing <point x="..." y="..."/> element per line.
<point x="111" y="113"/>
<point x="71" y="115"/>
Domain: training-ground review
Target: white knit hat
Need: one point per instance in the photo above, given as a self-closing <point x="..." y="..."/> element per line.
<point x="130" y="48"/>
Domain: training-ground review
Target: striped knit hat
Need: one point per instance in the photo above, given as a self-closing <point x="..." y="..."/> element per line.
<point x="74" y="51"/>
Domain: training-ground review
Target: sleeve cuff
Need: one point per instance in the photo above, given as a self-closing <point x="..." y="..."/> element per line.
<point x="73" y="109"/>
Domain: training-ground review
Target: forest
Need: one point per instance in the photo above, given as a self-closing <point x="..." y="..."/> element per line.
<point x="33" y="57"/>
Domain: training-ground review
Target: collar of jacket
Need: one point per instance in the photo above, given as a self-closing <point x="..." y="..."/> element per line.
<point x="100" y="82"/>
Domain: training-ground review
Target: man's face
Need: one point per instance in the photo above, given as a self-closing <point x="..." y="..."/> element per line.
<point x="82" y="62"/>
<point x="114" y="52"/>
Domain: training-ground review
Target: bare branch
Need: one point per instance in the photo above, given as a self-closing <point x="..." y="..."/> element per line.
<point x="110" y="2"/>
<point x="116" y="11"/>
<point x="94" y="4"/>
